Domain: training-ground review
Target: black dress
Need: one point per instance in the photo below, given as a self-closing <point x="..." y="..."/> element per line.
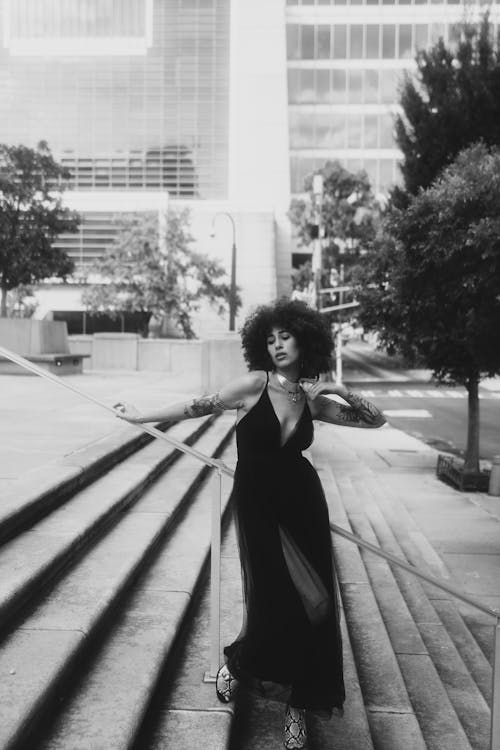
<point x="290" y="645"/>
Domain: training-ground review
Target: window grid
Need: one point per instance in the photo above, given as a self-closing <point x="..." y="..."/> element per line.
<point x="341" y="130"/>
<point x="324" y="3"/>
<point x="363" y="41"/>
<point x="340" y="86"/>
<point x="382" y="172"/>
<point x="158" y="120"/>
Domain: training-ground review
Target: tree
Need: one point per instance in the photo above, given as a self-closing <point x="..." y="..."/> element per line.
<point x="348" y="215"/>
<point x="451" y="102"/>
<point x="31" y="218"/>
<point x="433" y="285"/>
<point x="137" y="275"/>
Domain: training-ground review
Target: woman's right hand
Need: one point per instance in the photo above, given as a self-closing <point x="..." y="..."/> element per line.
<point x="127" y="412"/>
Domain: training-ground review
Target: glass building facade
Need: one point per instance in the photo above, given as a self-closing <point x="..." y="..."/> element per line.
<point x="129" y="94"/>
<point x="346" y="59"/>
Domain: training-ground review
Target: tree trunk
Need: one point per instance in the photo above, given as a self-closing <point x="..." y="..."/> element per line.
<point x="3" y="303"/>
<point x="472" y="452"/>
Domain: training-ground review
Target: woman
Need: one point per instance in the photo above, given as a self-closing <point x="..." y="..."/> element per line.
<point x="289" y="647"/>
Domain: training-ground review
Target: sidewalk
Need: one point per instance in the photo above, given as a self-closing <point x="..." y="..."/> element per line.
<point x="458" y="532"/>
<point x="42" y="423"/>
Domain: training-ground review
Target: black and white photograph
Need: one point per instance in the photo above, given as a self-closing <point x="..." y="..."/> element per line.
<point x="249" y="375"/>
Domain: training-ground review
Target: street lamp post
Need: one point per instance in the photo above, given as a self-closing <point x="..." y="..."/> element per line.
<point x="317" y="259"/>
<point x="232" y="289"/>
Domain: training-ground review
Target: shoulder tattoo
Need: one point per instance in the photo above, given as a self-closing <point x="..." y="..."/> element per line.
<point x="200" y="407"/>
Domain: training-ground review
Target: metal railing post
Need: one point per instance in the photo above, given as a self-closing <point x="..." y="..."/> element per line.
<point x="495" y="692"/>
<point x="211" y="675"/>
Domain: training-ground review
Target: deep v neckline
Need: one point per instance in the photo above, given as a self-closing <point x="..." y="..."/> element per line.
<point x="296" y="425"/>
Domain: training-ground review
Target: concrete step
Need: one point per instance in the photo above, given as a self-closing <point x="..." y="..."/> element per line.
<point x="420" y="553"/>
<point x="40" y="657"/>
<point x="391" y="717"/>
<point x="446" y="668"/>
<point x="34" y="557"/>
<point x="46" y="488"/>
<point x="187" y="713"/>
<point x="410" y="619"/>
<point x="461" y="664"/>
<point x="107" y="706"/>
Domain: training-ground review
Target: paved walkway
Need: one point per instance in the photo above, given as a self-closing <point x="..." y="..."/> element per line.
<point x="41" y="424"/>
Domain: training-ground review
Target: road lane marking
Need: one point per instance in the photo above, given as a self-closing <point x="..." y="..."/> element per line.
<point x="409" y="393"/>
<point x="408" y="413"/>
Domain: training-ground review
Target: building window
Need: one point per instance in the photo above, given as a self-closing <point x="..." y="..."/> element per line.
<point x="373" y="41"/>
<point x="340" y="42"/>
<point x="356" y="42"/>
<point x="388" y="41"/>
<point x="307" y="42"/>
<point x="323" y="42"/>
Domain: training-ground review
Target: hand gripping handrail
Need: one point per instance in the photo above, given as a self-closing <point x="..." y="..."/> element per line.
<point x="222" y="468"/>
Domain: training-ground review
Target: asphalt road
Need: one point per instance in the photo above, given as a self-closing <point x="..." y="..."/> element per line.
<point x="419" y="407"/>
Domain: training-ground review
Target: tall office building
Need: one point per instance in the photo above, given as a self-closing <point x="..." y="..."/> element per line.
<point x="223" y="106"/>
<point x="142" y="99"/>
<point x="346" y="60"/>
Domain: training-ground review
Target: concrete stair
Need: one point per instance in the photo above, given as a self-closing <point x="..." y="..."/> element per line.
<point x="405" y="633"/>
<point x="105" y="612"/>
<point x="100" y="587"/>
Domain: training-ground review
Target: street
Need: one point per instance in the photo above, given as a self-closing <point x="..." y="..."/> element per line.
<point x="413" y="403"/>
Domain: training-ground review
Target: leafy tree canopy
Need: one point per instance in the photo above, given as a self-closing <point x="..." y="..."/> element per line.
<point x="31" y="217"/>
<point x="349" y="213"/>
<point x="433" y="288"/>
<point x="452" y="102"/>
<point x="137" y="274"/>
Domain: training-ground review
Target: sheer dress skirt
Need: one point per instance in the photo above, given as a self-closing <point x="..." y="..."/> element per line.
<point x="289" y="647"/>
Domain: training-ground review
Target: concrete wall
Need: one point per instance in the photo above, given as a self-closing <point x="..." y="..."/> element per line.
<point x="208" y="363"/>
<point x="28" y="336"/>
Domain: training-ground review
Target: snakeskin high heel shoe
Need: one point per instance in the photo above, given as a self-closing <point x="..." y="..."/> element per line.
<point x="225" y="684"/>
<point x="295" y="728"/>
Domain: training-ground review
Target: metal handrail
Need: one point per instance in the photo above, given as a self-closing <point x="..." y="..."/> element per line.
<point x="215" y="558"/>
<point x="413" y="569"/>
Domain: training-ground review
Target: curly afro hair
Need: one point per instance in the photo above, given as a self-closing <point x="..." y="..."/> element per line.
<point x="308" y="326"/>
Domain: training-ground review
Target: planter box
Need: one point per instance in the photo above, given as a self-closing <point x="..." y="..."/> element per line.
<point x="451" y="471"/>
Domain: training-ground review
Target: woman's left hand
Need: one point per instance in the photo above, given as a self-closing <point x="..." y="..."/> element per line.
<point x="127" y="412"/>
<point x="319" y="387"/>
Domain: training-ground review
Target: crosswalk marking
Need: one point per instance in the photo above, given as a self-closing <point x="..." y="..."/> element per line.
<point x="411" y="413"/>
<point x="428" y="393"/>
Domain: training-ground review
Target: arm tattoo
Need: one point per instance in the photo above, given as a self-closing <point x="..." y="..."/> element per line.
<point x="200" y="407"/>
<point x="360" y="410"/>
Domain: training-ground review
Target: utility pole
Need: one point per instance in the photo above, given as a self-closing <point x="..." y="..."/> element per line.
<point x="338" y="347"/>
<point x="317" y="260"/>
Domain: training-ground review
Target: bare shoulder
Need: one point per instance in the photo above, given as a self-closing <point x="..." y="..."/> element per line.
<point x="242" y="392"/>
<point x="255" y="380"/>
